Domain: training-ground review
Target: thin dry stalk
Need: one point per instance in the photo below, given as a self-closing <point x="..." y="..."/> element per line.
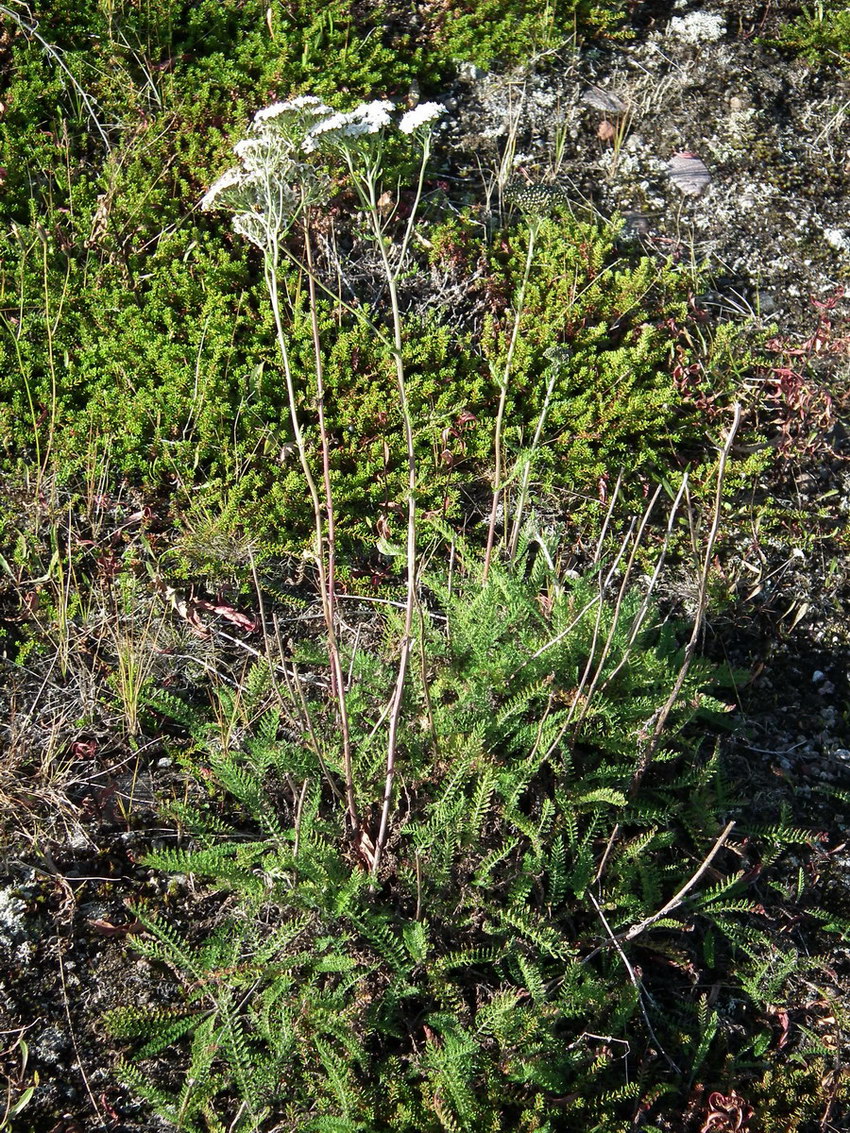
<point x="526" y="472"/>
<point x="674" y="902"/>
<point x="640" y="617"/>
<point x="329" y="578"/>
<point x="699" y="617"/>
<point x="366" y="185"/>
<point x="636" y="983"/>
<point x="615" y="618"/>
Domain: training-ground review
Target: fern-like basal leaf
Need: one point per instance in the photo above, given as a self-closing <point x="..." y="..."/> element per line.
<point x="163" y="1103"/>
<point x="416" y="940"/>
<point x="200" y="823"/>
<point x="329" y="1124"/>
<point x="475" y="957"/>
<point x="168" y="945"/>
<point x="532" y="979"/>
<point x="338" y="1077"/>
<point x="480" y="805"/>
<point x="233" y="1042"/>
<point x="245" y="786"/>
<point x="139" y="1022"/>
<point x="211" y="862"/>
<point x="721" y="891"/>
<point x="451" y="1072"/>
<point x="280" y="939"/>
<point x="173" y="708"/>
<point x="547" y="940"/>
<point x="783" y="834"/>
<point x="483" y="874"/>
<point x="382" y="938"/>
<point x="601" y="795"/>
<point x="168" y="1035"/>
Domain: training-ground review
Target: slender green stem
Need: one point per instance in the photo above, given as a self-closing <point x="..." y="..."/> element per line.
<point x="498" y="480"/>
<point x="526" y="472"/>
<point x="367" y="188"/>
<point x="270" y="265"/>
<point x="328" y="580"/>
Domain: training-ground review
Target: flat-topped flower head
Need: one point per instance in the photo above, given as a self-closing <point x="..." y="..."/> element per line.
<point x="420" y="116"/>
<point x="367" y="118"/>
<point x="535" y="199"/>
<point x="305" y="105"/>
<point x="275" y="178"/>
<point x="272" y="182"/>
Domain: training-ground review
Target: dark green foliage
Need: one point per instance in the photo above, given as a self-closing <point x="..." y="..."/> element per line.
<point x="469" y="990"/>
<point x="171" y="375"/>
<point x="480" y="32"/>
<point x="821" y="33"/>
<point x="135" y="334"/>
<point x="474" y="985"/>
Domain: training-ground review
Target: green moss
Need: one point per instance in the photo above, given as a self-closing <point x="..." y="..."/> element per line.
<point x="489" y="31"/>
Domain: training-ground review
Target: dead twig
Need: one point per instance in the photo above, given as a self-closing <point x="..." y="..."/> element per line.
<point x="674" y="902"/>
<point x="638" y="986"/>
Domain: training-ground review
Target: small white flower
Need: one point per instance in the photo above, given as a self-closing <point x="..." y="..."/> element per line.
<point x="421" y="115"/>
<point x="376" y="114"/>
<point x="228" y="180"/>
<point x="309" y="102"/>
<point x="247" y="147"/>
<point x="273" y="111"/>
<point x="336" y="124"/>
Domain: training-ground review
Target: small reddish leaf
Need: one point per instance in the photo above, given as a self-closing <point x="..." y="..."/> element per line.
<point x="606" y="131"/>
<point x="231" y="615"/>
<point x="83" y="749"/>
<point x="104" y="928"/>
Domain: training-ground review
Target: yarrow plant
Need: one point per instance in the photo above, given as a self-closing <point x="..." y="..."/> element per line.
<point x="273" y="180"/>
<point x="280" y="177"/>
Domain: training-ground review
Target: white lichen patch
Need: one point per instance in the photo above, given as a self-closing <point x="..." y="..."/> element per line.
<point x="697" y="27"/>
<point x="837" y="238"/>
<point x="15" y="948"/>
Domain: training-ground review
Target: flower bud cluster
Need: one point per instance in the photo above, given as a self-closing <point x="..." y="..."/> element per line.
<point x="537" y="199"/>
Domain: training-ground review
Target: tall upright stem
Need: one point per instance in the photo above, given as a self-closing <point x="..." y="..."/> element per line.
<point x="533" y="228"/>
<point x="270" y="265"/>
<point x="367" y="187"/>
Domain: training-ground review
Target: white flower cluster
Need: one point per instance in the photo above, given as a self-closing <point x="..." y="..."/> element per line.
<point x="305" y="104"/>
<point x="422" y="115"/>
<point x="273" y="179"/>
<point x="367" y="118"/>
